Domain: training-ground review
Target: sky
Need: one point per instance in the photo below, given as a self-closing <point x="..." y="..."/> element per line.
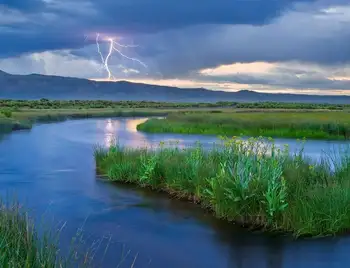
<point x="293" y="46"/>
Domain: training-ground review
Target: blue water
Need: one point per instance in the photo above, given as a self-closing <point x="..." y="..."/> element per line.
<point x="51" y="169"/>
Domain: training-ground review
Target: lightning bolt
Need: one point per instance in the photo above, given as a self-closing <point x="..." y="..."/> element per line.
<point x="114" y="46"/>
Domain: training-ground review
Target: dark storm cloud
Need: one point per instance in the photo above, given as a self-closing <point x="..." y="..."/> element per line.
<point x="24" y="5"/>
<point x="159" y="14"/>
<point x="15" y="43"/>
<point x="178" y="38"/>
<point x="53" y="19"/>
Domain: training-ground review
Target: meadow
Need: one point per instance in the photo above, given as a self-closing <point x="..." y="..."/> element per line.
<point x="312" y="125"/>
<point x="252" y="182"/>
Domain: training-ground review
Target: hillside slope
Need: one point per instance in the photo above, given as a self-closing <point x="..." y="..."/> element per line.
<point x="35" y="86"/>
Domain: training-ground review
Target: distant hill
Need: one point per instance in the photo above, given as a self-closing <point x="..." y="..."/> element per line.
<point x="35" y="86"/>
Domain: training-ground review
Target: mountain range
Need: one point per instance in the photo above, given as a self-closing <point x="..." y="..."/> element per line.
<point x="36" y="86"/>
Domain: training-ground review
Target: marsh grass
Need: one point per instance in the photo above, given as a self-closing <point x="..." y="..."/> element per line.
<point x="9" y="124"/>
<point x="313" y="125"/>
<point x="21" y="245"/>
<point x="250" y="182"/>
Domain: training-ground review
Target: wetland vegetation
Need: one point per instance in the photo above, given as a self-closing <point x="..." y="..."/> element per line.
<point x="290" y="120"/>
<point x="96" y="104"/>
<point x="252" y="183"/>
<point x="22" y="246"/>
<point x="311" y="125"/>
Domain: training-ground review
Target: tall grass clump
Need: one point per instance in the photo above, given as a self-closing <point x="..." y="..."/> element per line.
<point x="6" y="112"/>
<point x="21" y="245"/>
<point x="251" y="182"/>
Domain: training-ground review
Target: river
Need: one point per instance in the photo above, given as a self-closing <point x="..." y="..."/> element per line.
<point x="51" y="169"/>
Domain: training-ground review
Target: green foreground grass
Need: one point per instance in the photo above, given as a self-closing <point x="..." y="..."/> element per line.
<point x="311" y="125"/>
<point x="247" y="182"/>
<point x="21" y="245"/>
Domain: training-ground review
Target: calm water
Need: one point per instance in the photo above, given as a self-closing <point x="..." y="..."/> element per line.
<point x="51" y="169"/>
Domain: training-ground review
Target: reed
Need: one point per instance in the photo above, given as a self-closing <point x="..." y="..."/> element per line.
<point x="22" y="245"/>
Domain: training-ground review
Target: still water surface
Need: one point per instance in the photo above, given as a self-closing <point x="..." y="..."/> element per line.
<point x="51" y="169"/>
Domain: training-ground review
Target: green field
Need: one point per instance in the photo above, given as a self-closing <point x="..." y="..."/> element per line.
<point x="93" y="104"/>
<point x="245" y="182"/>
<point x="312" y="125"/>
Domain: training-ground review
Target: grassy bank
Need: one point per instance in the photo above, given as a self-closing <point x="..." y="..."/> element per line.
<point x="312" y="125"/>
<point x="24" y="119"/>
<point x="246" y="182"/>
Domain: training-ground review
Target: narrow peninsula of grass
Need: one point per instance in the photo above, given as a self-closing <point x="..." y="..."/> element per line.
<point x="312" y="125"/>
<point x="249" y="182"/>
<point x="24" y="119"/>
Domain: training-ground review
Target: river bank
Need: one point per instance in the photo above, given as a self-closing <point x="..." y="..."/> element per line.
<point x="245" y="182"/>
<point x="24" y="119"/>
<point x="311" y="125"/>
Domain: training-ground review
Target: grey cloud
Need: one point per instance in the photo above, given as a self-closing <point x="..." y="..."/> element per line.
<point x="296" y="36"/>
<point x="54" y="18"/>
<point x="286" y="78"/>
<point x="178" y="38"/>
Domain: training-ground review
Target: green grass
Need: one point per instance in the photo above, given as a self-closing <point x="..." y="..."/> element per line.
<point x="312" y="125"/>
<point x="21" y="245"/>
<point x="91" y="104"/>
<point x="9" y="124"/>
<point x="247" y="182"/>
<point x="225" y="118"/>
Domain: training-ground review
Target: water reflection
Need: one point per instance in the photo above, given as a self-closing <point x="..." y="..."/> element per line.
<point x="124" y="132"/>
<point x="110" y="132"/>
<point x="116" y="130"/>
<point x="239" y="247"/>
<point x="131" y="125"/>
